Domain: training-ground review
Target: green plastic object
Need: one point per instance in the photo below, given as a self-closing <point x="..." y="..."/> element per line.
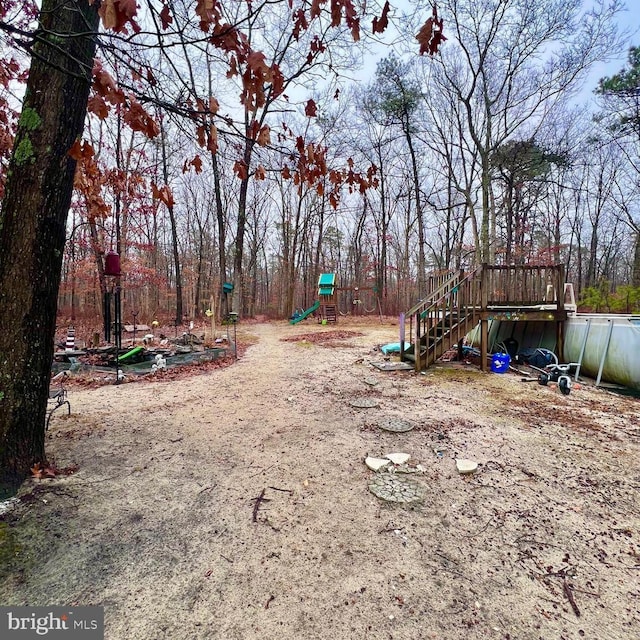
<point x="326" y="284"/>
<point x="131" y="354"/>
<point x="327" y="280"/>
<point x="227" y="287"/>
<point x="306" y="313"/>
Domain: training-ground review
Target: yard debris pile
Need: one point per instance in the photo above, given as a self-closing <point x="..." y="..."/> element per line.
<point x="324" y="338"/>
<point x="144" y="356"/>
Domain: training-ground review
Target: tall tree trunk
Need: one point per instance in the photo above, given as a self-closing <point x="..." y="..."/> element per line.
<point x="485" y="253"/>
<point x="176" y="264"/>
<point x="174" y="233"/>
<point x="199" y="268"/>
<point x="315" y="267"/>
<point x="291" y="265"/>
<point x="222" y="236"/>
<point x="32" y="225"/>
<point x="238" y="276"/>
<point x="422" y="263"/>
<point x="98" y="250"/>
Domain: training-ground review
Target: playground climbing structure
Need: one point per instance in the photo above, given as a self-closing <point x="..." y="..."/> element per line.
<point x="327" y="297"/>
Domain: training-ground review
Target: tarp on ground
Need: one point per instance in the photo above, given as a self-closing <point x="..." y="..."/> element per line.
<point x="394" y="347"/>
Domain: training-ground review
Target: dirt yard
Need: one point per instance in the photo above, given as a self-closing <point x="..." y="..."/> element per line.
<point x="236" y="505"/>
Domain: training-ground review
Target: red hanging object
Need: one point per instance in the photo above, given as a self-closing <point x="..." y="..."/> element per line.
<point x="112" y="264"/>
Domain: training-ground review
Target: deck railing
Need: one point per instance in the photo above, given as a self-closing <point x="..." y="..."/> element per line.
<point x="522" y="285"/>
<point x="455" y="305"/>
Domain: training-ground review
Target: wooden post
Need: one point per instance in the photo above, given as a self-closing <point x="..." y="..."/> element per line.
<point x="560" y="340"/>
<point x="484" y="324"/>
<point x="484" y="287"/>
<point x="416" y="348"/>
<point x="213" y="319"/>
<point x="560" y="310"/>
<point x="484" y="341"/>
<point x="560" y="287"/>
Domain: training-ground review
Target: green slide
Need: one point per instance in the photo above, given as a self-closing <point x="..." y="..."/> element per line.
<point x="306" y="313"/>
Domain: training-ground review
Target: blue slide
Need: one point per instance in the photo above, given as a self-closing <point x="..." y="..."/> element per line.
<point x="306" y="313"/>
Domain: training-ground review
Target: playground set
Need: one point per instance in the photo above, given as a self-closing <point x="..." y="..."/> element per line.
<point x="327" y="307"/>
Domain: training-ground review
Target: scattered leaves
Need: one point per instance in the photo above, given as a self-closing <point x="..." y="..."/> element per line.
<point x="212" y="140"/>
<point x="311" y="109"/>
<point x="139" y="120"/>
<point x="42" y="470"/>
<point x="300" y="23"/>
<point x="163" y="194"/>
<point x="98" y="106"/>
<point x="165" y="17"/>
<point x="323" y="337"/>
<point x="39" y="471"/>
<point x="81" y="150"/>
<point x="241" y="170"/>
<point x="264" y="137"/>
<point x="116" y="14"/>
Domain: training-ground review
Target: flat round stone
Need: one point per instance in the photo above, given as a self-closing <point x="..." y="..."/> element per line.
<point x="375" y="464"/>
<point x="396" y="425"/>
<point x="364" y="403"/>
<point x="393" y="488"/>
<point x="466" y="466"/>
<point x="398" y="458"/>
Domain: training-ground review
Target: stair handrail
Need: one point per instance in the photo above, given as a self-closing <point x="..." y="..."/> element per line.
<point x="447" y="286"/>
<point x="437" y="303"/>
<point x="442" y="296"/>
<point x="445" y="291"/>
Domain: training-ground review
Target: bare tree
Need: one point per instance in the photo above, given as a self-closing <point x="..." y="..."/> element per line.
<point x="511" y="63"/>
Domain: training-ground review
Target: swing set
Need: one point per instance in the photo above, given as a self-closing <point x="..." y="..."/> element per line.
<point x="353" y="300"/>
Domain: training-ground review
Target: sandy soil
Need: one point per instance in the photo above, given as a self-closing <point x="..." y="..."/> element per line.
<point x="161" y="523"/>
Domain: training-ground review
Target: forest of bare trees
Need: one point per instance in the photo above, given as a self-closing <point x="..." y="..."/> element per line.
<point x="500" y="149"/>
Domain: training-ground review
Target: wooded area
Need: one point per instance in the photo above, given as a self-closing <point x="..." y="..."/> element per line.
<point x="262" y="143"/>
<point x="497" y="160"/>
<point x="493" y="160"/>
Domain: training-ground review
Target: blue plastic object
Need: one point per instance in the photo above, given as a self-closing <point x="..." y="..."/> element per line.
<point x="394" y="347"/>
<point x="500" y="362"/>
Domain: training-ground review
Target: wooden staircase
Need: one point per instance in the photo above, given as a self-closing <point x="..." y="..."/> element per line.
<point x="459" y="301"/>
<point x="442" y="319"/>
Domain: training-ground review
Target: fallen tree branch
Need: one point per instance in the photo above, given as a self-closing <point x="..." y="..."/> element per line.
<point x="569" y="593"/>
<point x="258" y="501"/>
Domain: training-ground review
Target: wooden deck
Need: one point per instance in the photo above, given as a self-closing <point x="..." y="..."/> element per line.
<point x="459" y="301"/>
